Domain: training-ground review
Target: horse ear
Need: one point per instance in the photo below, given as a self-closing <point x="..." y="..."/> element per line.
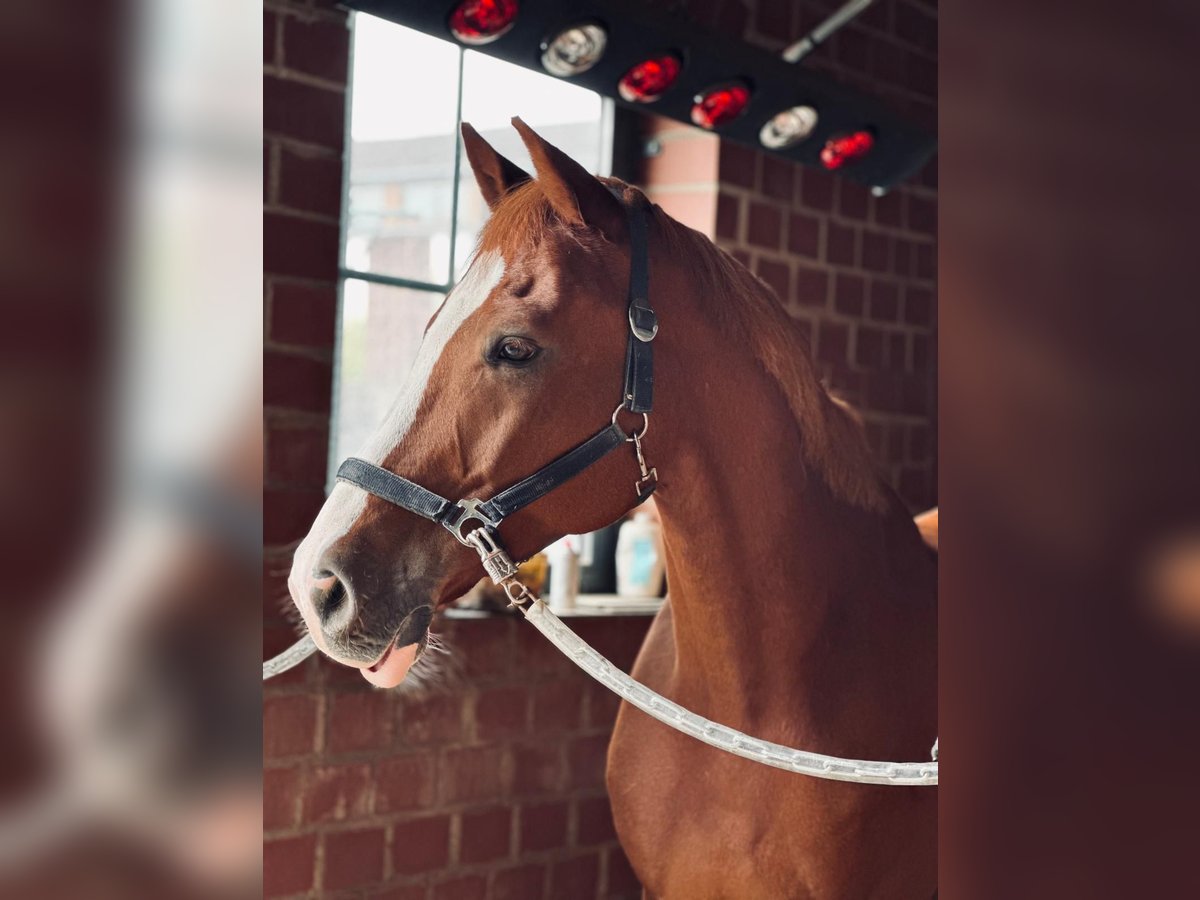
<point x="494" y="174"/>
<point x="576" y="195"/>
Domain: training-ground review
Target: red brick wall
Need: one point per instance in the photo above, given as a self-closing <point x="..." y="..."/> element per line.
<point x="306" y="50"/>
<point x="493" y="787"/>
<point x="858" y="271"/>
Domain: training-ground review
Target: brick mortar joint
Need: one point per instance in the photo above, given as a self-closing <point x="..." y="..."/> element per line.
<point x="296" y="213"/>
<point x="305" y="11"/>
<point x="285" y="73"/>
<point x="387" y="823"/>
<point x="299" y="351"/>
<point x="755" y="251"/>
<point x="393" y="750"/>
<point x="301" y="147"/>
<point x="278" y="415"/>
<point x="755" y="195"/>
<point x="280" y="279"/>
<point x="904" y="328"/>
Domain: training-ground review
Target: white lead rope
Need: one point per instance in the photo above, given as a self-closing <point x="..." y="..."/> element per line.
<point x="818" y="765"/>
<point x="834" y="768"/>
<point x="289" y="658"/>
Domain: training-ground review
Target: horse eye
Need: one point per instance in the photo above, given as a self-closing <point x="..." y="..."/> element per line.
<point x="515" y="349"/>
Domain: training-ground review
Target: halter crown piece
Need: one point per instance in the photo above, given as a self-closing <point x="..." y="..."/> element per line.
<point x="455" y="517"/>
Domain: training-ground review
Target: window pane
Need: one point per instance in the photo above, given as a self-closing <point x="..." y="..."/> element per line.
<point x="403" y="141"/>
<point x="568" y="116"/>
<point x="381" y="331"/>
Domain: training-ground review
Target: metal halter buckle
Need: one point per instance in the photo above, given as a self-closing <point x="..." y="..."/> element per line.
<point x="643" y="323"/>
<point x="496" y="562"/>
<point x="470" y="513"/>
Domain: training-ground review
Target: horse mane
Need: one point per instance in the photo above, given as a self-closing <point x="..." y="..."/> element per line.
<point x="833" y="441"/>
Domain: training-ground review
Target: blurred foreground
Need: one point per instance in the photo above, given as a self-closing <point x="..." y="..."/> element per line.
<point x="130" y="490"/>
<point x="1069" y="632"/>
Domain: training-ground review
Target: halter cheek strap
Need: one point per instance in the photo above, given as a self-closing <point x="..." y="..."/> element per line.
<point x="637" y="397"/>
<point x="643" y="323"/>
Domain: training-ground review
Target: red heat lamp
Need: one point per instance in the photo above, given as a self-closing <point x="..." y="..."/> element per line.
<point x="649" y="79"/>
<point x="482" y="21"/>
<point x="846" y="148"/>
<point x="720" y="104"/>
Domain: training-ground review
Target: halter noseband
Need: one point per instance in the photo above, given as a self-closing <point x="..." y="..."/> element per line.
<point x="638" y="397"/>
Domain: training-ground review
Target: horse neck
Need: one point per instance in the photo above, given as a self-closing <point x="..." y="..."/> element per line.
<point x="771" y="575"/>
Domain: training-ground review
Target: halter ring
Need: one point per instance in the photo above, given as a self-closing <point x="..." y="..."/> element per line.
<point x="469" y="512"/>
<point x="645" y="423"/>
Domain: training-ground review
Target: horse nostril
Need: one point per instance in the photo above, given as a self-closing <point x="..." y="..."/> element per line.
<point x="332" y="597"/>
<point x="334" y="607"/>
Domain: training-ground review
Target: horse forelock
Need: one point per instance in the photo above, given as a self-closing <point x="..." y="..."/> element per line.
<point x="523" y="219"/>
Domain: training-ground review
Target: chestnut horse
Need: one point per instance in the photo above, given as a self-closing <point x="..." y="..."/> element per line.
<point x="802" y="602"/>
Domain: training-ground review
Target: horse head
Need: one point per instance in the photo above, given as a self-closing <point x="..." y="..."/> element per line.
<point x="521" y="363"/>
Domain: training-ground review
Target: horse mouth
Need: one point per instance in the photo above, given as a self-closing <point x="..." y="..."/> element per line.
<point x="409" y="642"/>
<point x="396" y="645"/>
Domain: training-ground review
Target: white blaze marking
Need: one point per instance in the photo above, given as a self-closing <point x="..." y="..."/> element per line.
<point x="466" y="297"/>
<point x="346" y="502"/>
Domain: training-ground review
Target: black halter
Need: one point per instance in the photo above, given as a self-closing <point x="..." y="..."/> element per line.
<point x="638" y="397"/>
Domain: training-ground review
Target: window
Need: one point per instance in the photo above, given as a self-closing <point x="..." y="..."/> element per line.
<point x="412" y="209"/>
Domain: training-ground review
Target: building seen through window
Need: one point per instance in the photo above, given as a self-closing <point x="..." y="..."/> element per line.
<point x="413" y="212"/>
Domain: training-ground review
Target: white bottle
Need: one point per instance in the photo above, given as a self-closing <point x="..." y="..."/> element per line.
<point x="564" y="573"/>
<point x="640" y="557"/>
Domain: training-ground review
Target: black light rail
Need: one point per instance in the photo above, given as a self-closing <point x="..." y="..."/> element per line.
<point x="636" y="31"/>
